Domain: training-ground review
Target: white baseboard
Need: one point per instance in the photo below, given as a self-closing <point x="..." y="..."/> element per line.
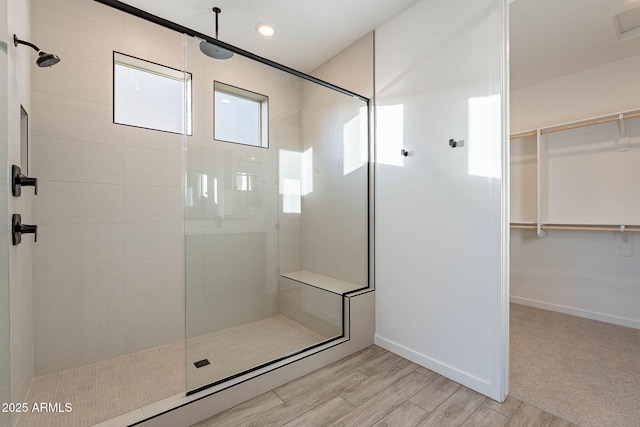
<point x="631" y="323"/>
<point x="464" y="378"/>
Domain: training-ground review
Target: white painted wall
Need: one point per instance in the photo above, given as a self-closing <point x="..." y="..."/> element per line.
<point x="440" y="288"/>
<point x="581" y="273"/>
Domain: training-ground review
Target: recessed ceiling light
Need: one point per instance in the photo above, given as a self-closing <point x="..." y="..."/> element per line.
<point x="264" y="29"/>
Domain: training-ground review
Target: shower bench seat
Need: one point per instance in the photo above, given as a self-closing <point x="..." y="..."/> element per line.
<point x="326" y="283"/>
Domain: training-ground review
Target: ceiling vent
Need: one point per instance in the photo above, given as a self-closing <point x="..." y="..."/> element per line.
<point x="628" y="23"/>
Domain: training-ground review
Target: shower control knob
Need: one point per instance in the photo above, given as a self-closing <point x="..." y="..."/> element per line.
<point x="19" y="180"/>
<point x="404" y="152"/>
<point x="453" y="143"/>
<point x="18" y="229"/>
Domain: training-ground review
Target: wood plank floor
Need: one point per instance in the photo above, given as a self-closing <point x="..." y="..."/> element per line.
<point x="377" y="388"/>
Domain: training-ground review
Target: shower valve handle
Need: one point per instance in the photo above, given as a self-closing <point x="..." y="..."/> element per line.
<point x="20" y="180"/>
<point x="18" y="229"/>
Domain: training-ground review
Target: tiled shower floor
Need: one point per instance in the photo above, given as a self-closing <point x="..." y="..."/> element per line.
<point x="116" y="386"/>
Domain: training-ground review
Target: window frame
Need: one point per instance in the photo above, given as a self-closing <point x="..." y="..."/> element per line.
<point x="262" y="100"/>
<point x="155" y="68"/>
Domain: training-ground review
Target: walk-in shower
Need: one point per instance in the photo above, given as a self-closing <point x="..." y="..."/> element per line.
<point x="205" y="235"/>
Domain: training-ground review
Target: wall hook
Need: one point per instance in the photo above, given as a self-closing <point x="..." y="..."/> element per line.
<point x="453" y="143"/>
<point x="405" y="153"/>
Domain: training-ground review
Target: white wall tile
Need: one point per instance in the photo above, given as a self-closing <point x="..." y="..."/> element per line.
<point x="169" y="39"/>
<point x="154" y="168"/>
<point x="93" y="11"/>
<point x="152" y="51"/>
<point x="151" y="313"/>
<point x="157" y="240"/>
<point x="22" y="361"/>
<point x="76" y="286"/>
<point x="83" y="356"/>
<point x="60" y="116"/>
<point x="194" y="243"/>
<point x="78" y="36"/>
<point x="135" y="137"/>
<point x="153" y="204"/>
<point x="78" y="244"/>
<point x="154" y="276"/>
<point x="76" y="161"/>
<point x="78" y="203"/>
<point x="194" y="277"/>
<point x="21" y="257"/>
<point x="112" y="321"/>
<point x="217" y="268"/>
<point x="20" y="306"/>
<point x="70" y="78"/>
<point x="349" y="205"/>
<point x="65" y="330"/>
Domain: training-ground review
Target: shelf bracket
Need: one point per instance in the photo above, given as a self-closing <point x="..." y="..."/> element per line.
<point x="623" y="134"/>
<point x="623" y="235"/>
<point x="540" y="231"/>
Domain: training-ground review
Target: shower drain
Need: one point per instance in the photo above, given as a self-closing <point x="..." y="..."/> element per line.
<point x="201" y="363"/>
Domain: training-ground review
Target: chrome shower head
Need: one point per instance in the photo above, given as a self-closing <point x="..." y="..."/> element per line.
<point x="212" y="50"/>
<point x="44" y="59"/>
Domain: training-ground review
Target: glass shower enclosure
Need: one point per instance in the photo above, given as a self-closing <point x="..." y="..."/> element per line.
<point x="176" y="253"/>
<point x="276" y="219"/>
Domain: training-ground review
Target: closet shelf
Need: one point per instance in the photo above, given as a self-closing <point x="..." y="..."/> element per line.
<point x="579" y="227"/>
<point x="578" y="124"/>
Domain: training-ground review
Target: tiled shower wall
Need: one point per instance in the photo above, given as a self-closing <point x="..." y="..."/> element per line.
<point x="233" y="243"/>
<point x="19" y="64"/>
<point x="335" y="231"/>
<point x="108" y="264"/>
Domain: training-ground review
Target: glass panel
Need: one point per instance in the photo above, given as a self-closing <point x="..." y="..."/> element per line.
<point x="255" y="215"/>
<point x="108" y="286"/>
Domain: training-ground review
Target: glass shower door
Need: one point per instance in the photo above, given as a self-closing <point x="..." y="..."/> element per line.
<point x="276" y="215"/>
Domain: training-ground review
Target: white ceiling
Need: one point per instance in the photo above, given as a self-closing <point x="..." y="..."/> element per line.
<point x="553" y="38"/>
<point x="308" y="33"/>
<point x="548" y="38"/>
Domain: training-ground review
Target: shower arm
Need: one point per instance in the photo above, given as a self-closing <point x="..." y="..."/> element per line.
<point x="17" y="41"/>
<point x="217" y="11"/>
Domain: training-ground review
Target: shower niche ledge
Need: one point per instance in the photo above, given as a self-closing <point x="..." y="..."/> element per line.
<point x="323" y="282"/>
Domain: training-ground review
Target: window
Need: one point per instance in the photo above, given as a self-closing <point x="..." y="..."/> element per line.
<point x="240" y="116"/>
<point x="150" y="95"/>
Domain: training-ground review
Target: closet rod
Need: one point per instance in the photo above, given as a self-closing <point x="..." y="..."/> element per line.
<point x="524" y="226"/>
<point x="608" y="119"/>
<point x="590" y="123"/>
<point x="615" y="228"/>
<point x="579" y="228"/>
<point x="524" y="134"/>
